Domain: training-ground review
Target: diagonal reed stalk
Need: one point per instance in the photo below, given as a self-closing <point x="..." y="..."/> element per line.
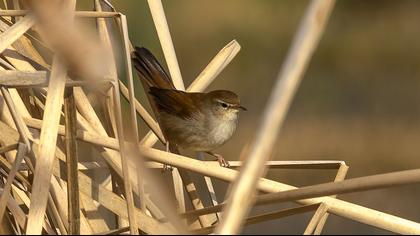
<point x="92" y="131"/>
<point x="240" y="197"/>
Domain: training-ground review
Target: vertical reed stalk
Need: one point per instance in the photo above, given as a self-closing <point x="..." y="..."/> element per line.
<point x="304" y="44"/>
<point x="71" y="162"/>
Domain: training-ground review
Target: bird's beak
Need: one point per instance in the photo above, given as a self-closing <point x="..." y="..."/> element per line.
<point x="240" y="108"/>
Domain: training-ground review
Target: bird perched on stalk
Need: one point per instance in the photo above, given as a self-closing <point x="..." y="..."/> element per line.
<point x="199" y="122"/>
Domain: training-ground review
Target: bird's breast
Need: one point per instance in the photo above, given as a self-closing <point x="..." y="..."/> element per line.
<point x="221" y="131"/>
<point x="203" y="133"/>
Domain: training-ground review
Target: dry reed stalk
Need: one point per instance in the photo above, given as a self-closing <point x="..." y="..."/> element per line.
<point x="71" y="162"/>
<point x="240" y="195"/>
<point x="117" y="205"/>
<point x="210" y="187"/>
<point x="105" y="197"/>
<point x="215" y="67"/>
<point x="310" y="164"/>
<point x="338" y="207"/>
<point x="180" y="178"/>
<point x="166" y="43"/>
<point x="86" y="14"/>
<point x="48" y="140"/>
<point x="345" y="186"/>
<point x="205" y="168"/>
<point x="8" y="148"/>
<point x="108" y="106"/>
<point x="315" y="220"/>
<point x="132" y="101"/>
<point x="165" y="39"/>
<point x="51" y="205"/>
<point x="95" y="219"/>
<point x="54" y="216"/>
<point x="124" y="161"/>
<point x="93" y="124"/>
<point x="24" y="132"/>
<point x="21" y="151"/>
<point x="21" y="79"/>
<point x="129" y="77"/>
<point x="341" y="175"/>
<point x="10" y="136"/>
<point x="147" y="118"/>
<point x="24" y="45"/>
<point x="266" y="217"/>
<point x="82" y="135"/>
<point x="16" y="31"/>
<point x="16" y="6"/>
<point x="115" y="231"/>
<point x="110" y="71"/>
<point x="117" y="166"/>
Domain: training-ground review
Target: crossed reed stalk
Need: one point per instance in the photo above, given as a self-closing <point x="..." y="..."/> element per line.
<point x="35" y="143"/>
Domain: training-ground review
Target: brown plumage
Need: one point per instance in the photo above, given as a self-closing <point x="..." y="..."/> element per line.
<point x="195" y="121"/>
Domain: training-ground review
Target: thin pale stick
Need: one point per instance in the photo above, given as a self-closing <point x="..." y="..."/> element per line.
<point x="82" y="135"/>
<point x="266" y="217"/>
<point x="215" y="67"/>
<point x="22" y="149"/>
<point x="89" y="14"/>
<point x="124" y="162"/>
<point x="341" y="175"/>
<point x="312" y="164"/>
<point x="16" y="31"/>
<point x="240" y="197"/>
<point x="322" y="209"/>
<point x="165" y="39"/>
<point x="95" y="219"/>
<point x="9" y="135"/>
<point x="55" y="216"/>
<point x="117" y="205"/>
<point x="21" y="64"/>
<point x="13" y="78"/>
<point x="178" y="190"/>
<point x="93" y="124"/>
<point x="20" y="125"/>
<point x="8" y="148"/>
<point x="17" y="212"/>
<point x="132" y="100"/>
<point x="147" y="118"/>
<point x="71" y="162"/>
<point x="115" y="231"/>
<point x="48" y="140"/>
<point x="107" y="105"/>
<point x="338" y="207"/>
<point x="210" y="187"/>
<point x="162" y="28"/>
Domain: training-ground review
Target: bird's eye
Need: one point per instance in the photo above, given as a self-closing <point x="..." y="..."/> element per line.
<point x="224" y="105"/>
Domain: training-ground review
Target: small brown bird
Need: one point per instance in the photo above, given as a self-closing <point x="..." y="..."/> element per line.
<point x="195" y="121"/>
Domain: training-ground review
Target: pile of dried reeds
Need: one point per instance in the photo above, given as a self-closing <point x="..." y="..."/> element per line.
<point x="46" y="61"/>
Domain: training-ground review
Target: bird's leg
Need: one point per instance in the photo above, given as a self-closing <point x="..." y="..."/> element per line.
<point x="167" y="167"/>
<point x="220" y="159"/>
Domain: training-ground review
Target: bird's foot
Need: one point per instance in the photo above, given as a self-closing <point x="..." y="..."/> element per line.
<point x="167" y="168"/>
<point x="222" y="161"/>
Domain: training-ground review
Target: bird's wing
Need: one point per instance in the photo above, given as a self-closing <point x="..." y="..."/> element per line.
<point x="150" y="70"/>
<point x="176" y="102"/>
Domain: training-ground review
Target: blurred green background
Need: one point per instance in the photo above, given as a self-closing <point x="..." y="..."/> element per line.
<point x="358" y="102"/>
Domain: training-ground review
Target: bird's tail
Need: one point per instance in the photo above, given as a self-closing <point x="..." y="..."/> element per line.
<point x="149" y="69"/>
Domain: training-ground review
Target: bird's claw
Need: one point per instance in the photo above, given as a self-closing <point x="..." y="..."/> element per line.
<point x="222" y="161"/>
<point x="167" y="168"/>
